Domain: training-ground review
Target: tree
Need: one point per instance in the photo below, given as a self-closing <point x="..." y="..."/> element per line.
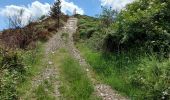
<point x="56" y="11"/>
<point x="108" y="16"/>
<point x="15" y="21"/>
<point x="22" y="35"/>
<point x="143" y="23"/>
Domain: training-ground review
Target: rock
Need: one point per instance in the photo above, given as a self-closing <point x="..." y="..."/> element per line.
<point x="50" y="63"/>
<point x="102" y="94"/>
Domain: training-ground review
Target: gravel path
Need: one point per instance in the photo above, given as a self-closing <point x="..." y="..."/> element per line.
<point x="102" y="90"/>
<point x="56" y="42"/>
<point x="50" y="70"/>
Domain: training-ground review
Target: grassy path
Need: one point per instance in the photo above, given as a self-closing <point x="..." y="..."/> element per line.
<point x="74" y="83"/>
<point x="65" y="75"/>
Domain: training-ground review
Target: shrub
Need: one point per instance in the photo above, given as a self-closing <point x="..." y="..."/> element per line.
<point x="8" y="86"/>
<point x="12" y="72"/>
<point x="86" y="27"/>
<point x="12" y="62"/>
<point x="43" y="35"/>
<point x="153" y="78"/>
<point x="107" y="16"/>
<point x="143" y="24"/>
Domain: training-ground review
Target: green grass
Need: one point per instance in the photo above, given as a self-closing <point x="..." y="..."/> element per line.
<point x="29" y="63"/>
<point x="75" y="84"/>
<point x="44" y="90"/>
<point x="87" y="26"/>
<point x="32" y="59"/>
<point x="121" y="70"/>
<point x="105" y="68"/>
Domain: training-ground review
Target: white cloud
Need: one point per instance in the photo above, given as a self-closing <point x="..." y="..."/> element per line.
<point x="37" y="9"/>
<point x="115" y="4"/>
<point x="69" y="7"/>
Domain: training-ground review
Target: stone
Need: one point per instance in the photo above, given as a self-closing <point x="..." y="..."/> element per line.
<point x="50" y="63"/>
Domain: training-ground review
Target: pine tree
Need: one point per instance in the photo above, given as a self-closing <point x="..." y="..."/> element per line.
<point x="56" y="11"/>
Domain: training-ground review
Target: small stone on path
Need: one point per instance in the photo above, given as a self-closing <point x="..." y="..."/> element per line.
<point x="50" y="63"/>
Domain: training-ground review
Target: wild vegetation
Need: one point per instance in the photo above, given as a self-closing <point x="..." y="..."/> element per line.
<point x="128" y="50"/>
<point x="16" y="67"/>
<point x="56" y="11"/>
<point x="21" y="53"/>
<point x="132" y="52"/>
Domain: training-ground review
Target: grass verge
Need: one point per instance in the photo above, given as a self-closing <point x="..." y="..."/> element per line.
<point x="34" y="62"/>
<point x="134" y="74"/>
<point x="75" y="84"/>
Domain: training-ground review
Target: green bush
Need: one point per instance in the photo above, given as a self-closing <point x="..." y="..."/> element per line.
<point x="12" y="72"/>
<point x="86" y="27"/>
<point x="12" y="62"/>
<point x="153" y="77"/>
<point x="138" y="42"/>
<point x="144" y="23"/>
<point x="8" y="84"/>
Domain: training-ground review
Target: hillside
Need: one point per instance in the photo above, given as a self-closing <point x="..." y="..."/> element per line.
<point x="117" y="55"/>
<point x="131" y="54"/>
<point x="21" y="56"/>
<point x="52" y="69"/>
<point x="41" y="30"/>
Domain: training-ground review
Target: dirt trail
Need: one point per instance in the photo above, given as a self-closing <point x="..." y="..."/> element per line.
<point x="50" y="70"/>
<point x="56" y="42"/>
<point x="102" y="90"/>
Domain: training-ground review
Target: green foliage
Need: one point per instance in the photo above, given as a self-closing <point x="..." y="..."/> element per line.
<point x="75" y="84"/>
<point x="154" y="77"/>
<point x="56" y="9"/>
<point x="15" y="67"/>
<point x="43" y="91"/>
<point x="143" y="23"/>
<point x="107" y="17"/>
<point x="12" y="72"/>
<point x="12" y="62"/>
<point x="138" y="41"/>
<point x="134" y="73"/>
<point x="42" y="17"/>
<point x="86" y="27"/>
<point x="8" y="86"/>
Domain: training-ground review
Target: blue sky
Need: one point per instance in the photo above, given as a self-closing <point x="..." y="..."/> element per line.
<point x="36" y="8"/>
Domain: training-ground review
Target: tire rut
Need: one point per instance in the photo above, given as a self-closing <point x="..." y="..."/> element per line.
<point x="50" y="70"/>
<point x="101" y="90"/>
